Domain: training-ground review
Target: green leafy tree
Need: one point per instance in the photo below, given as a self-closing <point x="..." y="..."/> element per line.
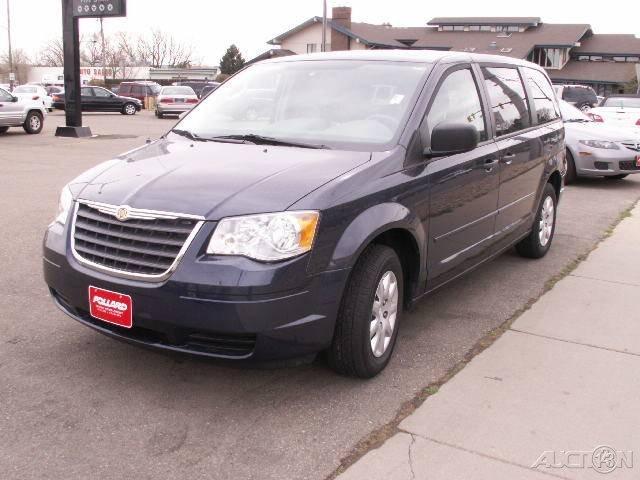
<point x="232" y="61"/>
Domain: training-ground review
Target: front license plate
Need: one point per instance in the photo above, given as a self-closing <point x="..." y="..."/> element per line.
<point x="111" y="307"/>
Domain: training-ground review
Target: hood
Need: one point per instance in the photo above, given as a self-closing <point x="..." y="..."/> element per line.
<point x="601" y="131"/>
<point x="211" y="179"/>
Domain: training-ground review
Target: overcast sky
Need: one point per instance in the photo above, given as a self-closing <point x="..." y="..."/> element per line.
<point x="210" y="26"/>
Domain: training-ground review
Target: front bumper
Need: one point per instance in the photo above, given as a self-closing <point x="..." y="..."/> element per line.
<point x="224" y="307"/>
<point x="603" y="162"/>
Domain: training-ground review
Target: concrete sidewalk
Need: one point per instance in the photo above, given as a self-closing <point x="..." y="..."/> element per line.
<point x="557" y="396"/>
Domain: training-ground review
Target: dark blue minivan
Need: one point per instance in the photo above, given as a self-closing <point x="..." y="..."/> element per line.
<point x="308" y="201"/>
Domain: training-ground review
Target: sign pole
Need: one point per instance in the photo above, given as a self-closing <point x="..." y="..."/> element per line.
<point x="72" y="12"/>
<point x="72" y="105"/>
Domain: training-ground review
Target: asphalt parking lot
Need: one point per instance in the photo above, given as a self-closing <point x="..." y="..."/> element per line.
<point x="77" y="405"/>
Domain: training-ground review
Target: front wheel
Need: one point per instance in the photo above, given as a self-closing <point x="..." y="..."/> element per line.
<point x="33" y="124"/>
<point x="537" y="244"/>
<point x="4" y="130"/>
<point x="129" y="109"/>
<point x="367" y="324"/>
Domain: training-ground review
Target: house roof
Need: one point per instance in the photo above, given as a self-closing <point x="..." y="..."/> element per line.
<point x="602" y="43"/>
<point x="269" y="54"/>
<point x="545" y="35"/>
<point x="484" y="21"/>
<point x="600" y="72"/>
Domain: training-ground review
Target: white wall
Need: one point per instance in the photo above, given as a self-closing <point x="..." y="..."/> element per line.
<point x="298" y="41"/>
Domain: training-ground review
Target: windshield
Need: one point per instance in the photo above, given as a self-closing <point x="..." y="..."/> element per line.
<point x="571" y="113"/>
<point x="177" y="91"/>
<point x="333" y="102"/>
<point x="622" y="102"/>
<point x="25" y="90"/>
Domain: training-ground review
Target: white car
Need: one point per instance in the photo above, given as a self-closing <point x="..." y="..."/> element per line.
<point x="35" y="93"/>
<point x="175" y="100"/>
<point x="618" y="110"/>
<point x="597" y="149"/>
<point x="28" y="114"/>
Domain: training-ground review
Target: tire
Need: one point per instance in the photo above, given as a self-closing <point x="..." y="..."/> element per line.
<point x="571" y="176"/>
<point x="584" y="107"/>
<point x="537" y="244"/>
<point x="617" y="177"/>
<point x="4" y="130"/>
<point x="159" y="115"/>
<point x="361" y="345"/>
<point x="129" y="109"/>
<point x="34" y="123"/>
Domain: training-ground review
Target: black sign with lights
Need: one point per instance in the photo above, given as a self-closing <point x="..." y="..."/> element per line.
<point x="99" y="8"/>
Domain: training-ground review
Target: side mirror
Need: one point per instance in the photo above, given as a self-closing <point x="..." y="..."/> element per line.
<point x="452" y="138"/>
<point x="14" y="99"/>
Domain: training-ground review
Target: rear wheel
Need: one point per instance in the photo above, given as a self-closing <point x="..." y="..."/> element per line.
<point x="585" y="107"/>
<point x="537" y="244"/>
<point x="33" y="124"/>
<point x="367" y="324"/>
<point x="617" y="177"/>
<point x="571" y="174"/>
<point x="129" y="109"/>
<point x="158" y="114"/>
<point x="4" y="130"/>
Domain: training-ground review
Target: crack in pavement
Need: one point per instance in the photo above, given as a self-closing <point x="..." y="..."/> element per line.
<point x="413" y="441"/>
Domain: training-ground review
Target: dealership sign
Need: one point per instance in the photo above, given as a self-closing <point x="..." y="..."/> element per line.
<point x="99" y="8"/>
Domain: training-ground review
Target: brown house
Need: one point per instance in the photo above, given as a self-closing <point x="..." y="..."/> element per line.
<point x="571" y="53"/>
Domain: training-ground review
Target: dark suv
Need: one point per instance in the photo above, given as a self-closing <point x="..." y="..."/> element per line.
<point x="580" y="96"/>
<point x="372" y="179"/>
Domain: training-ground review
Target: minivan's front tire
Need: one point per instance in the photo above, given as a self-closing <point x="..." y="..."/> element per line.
<point x="537" y="244"/>
<point x="367" y="324"/>
<point x="33" y="124"/>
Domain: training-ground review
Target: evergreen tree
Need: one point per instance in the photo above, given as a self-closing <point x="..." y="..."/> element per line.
<point x="232" y="61"/>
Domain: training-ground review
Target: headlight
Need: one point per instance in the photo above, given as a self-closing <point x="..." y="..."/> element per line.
<point x="600" y="144"/>
<point x="64" y="205"/>
<point x="268" y="237"/>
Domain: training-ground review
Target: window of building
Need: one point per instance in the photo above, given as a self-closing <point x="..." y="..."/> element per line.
<point x="311" y="47"/>
<point x="553" y="58"/>
<point x="619" y="59"/>
<point x="508" y="99"/>
<point x="513" y="28"/>
<point x="474" y="28"/>
<point x="485" y="28"/>
<point x="633" y="59"/>
<point x="543" y="97"/>
<point x="447" y="28"/>
<point x="458" y="28"/>
<point x="457" y="101"/>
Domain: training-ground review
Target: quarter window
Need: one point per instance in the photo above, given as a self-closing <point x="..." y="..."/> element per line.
<point x="457" y="101"/>
<point x="86" y="92"/>
<point x="508" y="99"/>
<point x="543" y="97"/>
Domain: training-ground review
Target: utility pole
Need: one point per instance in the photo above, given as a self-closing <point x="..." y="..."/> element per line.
<point x="11" y="72"/>
<point x="324" y="26"/>
<point x="104" y="56"/>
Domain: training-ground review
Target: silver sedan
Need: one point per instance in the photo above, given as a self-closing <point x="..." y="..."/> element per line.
<point x="595" y="149"/>
<point x="175" y="100"/>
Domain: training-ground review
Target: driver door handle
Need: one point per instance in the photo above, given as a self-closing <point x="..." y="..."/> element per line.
<point x="489" y="163"/>
<point x="508" y="158"/>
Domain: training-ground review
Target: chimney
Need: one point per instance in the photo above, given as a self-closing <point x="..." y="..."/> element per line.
<point x="340" y="16"/>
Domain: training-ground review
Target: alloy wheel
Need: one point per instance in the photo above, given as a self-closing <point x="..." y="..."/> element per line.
<point x="547" y="218"/>
<point x="383" y="314"/>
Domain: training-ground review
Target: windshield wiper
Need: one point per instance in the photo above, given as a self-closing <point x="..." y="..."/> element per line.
<point x="197" y="138"/>
<point x="262" y="140"/>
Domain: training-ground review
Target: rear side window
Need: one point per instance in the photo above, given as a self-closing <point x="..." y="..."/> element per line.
<point x="576" y="94"/>
<point x="125" y="89"/>
<point x="137" y="90"/>
<point x="457" y="101"/>
<point x="86" y="92"/>
<point x="508" y="99"/>
<point x="546" y="108"/>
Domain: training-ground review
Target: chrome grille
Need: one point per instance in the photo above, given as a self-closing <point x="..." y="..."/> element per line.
<point x="147" y="244"/>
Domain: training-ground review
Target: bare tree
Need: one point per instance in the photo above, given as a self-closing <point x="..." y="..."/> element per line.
<point x="21" y="64"/>
<point x="161" y="49"/>
<point x="52" y="54"/>
<point x="91" y="51"/>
